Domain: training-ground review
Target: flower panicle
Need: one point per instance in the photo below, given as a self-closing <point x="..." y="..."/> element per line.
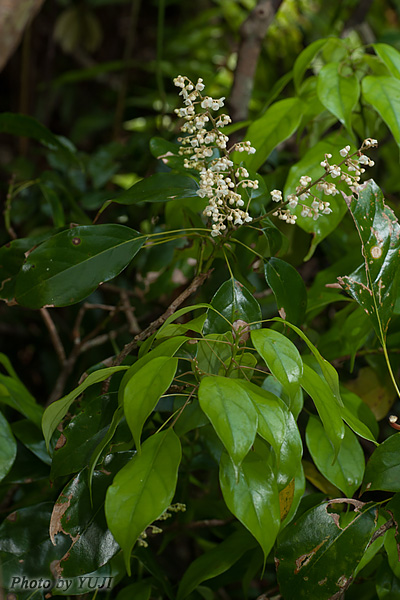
<point x="348" y="170"/>
<point x="205" y="149"/>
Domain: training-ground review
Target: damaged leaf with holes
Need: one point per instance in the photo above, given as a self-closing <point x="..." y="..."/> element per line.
<point x="374" y="284"/>
<point x="317" y="555"/>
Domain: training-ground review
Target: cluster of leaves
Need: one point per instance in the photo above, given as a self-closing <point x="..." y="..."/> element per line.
<point x="220" y="407"/>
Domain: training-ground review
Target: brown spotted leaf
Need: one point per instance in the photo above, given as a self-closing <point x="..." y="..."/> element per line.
<point x="374" y="284"/>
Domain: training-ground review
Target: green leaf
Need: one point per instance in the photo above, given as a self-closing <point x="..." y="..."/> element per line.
<point x="84" y="526"/>
<point x="143" y="391"/>
<point x="54" y="413"/>
<point x="82" y="434"/>
<point x="383" y="468"/>
<point x="387" y="584"/>
<point x="233" y="302"/>
<point x="32" y="438"/>
<point x="346" y="473"/>
<point x="8" y="447"/>
<point x="289" y="290"/>
<point x="277" y="426"/>
<point x="143" y="490"/>
<point x="317" y="555"/>
<point x="70" y="265"/>
<point x="329" y="372"/>
<point x="338" y="93"/>
<point x="115" y="421"/>
<point x="326" y="405"/>
<point x="251" y="494"/>
<point x="390" y="56"/>
<point x="29" y="127"/>
<point x="14" y="394"/>
<point x="304" y="59"/>
<point x="282" y="358"/>
<point x="160" y="187"/>
<point x="215" y="562"/>
<point x="359" y="417"/>
<point x="214" y="352"/>
<point x="55" y="204"/>
<point x="277" y="124"/>
<point x="25" y="546"/>
<point x="384" y="95"/>
<point x="374" y="284"/>
<point x="165" y="348"/>
<point x="231" y="412"/>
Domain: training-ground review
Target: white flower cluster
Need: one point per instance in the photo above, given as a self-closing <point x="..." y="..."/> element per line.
<point x="206" y="150"/>
<point x="349" y="170"/>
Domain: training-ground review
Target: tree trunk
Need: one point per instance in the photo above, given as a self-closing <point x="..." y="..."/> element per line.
<point x="15" y="15"/>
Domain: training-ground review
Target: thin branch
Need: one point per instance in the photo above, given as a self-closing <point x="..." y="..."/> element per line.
<point x="128" y="310"/>
<point x="252" y="33"/>
<point x="143" y="335"/>
<point x="55" y="338"/>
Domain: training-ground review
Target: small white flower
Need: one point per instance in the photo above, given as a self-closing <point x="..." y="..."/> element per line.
<point x="344" y="151"/>
<point x="276" y="195"/>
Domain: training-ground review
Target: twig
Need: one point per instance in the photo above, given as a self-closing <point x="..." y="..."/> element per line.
<point x="55" y="338"/>
<point x="143" y="335"/>
<point x="128" y="310"/>
<point x="252" y="33"/>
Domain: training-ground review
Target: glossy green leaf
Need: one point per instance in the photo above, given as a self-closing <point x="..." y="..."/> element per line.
<point x="140" y="590"/>
<point x="392" y="551"/>
<point x="277" y="124"/>
<point x="115" y="421"/>
<point x="215" y="561"/>
<point x="214" y="352"/>
<point x="304" y="59"/>
<point x="251" y="494"/>
<point x="70" y="265"/>
<point x="233" y="302"/>
<point x="8" y="447"/>
<point x="384" y="95"/>
<point x="390" y="56"/>
<point x="317" y="554"/>
<point x="310" y="165"/>
<point x="82" y="434"/>
<point x="277" y="426"/>
<point x="374" y="284"/>
<point x="383" y="468"/>
<point x="32" y="438"/>
<point x="338" y="93"/>
<point x="165" y="348"/>
<point x="12" y="257"/>
<point x="281" y="356"/>
<point x="347" y="471"/>
<point x="143" y="391"/>
<point x="25" y="126"/>
<point x="295" y="404"/>
<point x="387" y="584"/>
<point x="54" y="413"/>
<point x="84" y="526"/>
<point x="326" y="405"/>
<point x="143" y="490"/>
<point x="14" y="394"/>
<point x="329" y="372"/>
<point x="55" y="204"/>
<point x="231" y="413"/>
<point x="25" y="546"/>
<point x="359" y="417"/>
<point x="289" y="290"/>
<point x="160" y="187"/>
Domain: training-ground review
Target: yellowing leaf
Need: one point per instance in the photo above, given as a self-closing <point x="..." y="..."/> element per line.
<point x="286" y="498"/>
